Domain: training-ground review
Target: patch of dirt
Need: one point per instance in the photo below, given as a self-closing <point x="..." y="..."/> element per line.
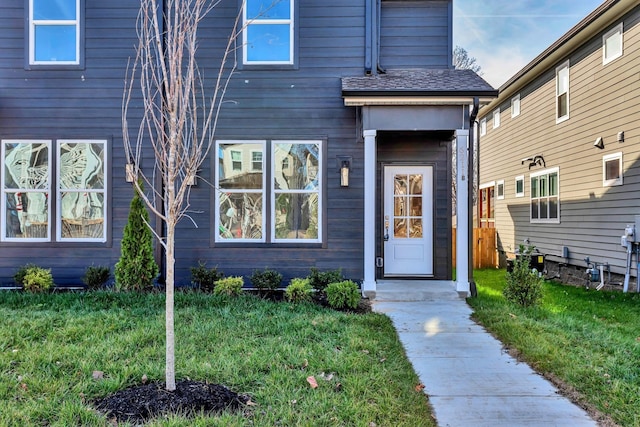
<point x="139" y="404"/>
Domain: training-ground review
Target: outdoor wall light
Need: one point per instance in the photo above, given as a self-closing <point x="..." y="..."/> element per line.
<point x="344" y="165"/>
<point x="599" y="143"/>
<point x="621" y="136"/>
<point x="130" y="174"/>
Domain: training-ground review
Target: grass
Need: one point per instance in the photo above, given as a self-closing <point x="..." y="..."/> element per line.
<point x="585" y="339"/>
<point x="51" y="344"/>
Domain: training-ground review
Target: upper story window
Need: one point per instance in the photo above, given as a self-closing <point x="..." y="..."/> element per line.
<point x="500" y="189"/>
<point x="278" y="201"/>
<point x="612" y="170"/>
<point x="545" y="200"/>
<point x="268" y="36"/>
<point x="496" y="118"/>
<point x="79" y="193"/>
<point x="612" y="44"/>
<point x="519" y="186"/>
<point x="515" y="106"/>
<point x="483" y="127"/>
<point x="54" y="32"/>
<point x="562" y="92"/>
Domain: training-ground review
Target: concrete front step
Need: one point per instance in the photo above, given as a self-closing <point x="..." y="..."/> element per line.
<point x="415" y="290"/>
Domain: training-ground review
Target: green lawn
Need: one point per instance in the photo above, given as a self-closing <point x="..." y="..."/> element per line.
<point x="51" y="344"/>
<point x="587" y="339"/>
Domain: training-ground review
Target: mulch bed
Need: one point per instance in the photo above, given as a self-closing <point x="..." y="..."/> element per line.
<point x="139" y="404"/>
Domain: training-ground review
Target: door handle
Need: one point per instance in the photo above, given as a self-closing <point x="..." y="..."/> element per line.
<point x="386" y="229"/>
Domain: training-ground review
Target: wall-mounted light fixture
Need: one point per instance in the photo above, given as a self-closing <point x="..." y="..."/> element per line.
<point x="191" y="179"/>
<point x="344" y="166"/>
<point x="599" y="143"/>
<point x="536" y="160"/>
<point x="621" y="136"/>
<point x="130" y="174"/>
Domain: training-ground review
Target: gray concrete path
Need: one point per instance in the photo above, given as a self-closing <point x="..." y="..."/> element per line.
<point x="469" y="378"/>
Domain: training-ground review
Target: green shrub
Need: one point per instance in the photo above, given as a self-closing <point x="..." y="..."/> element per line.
<point x="95" y="277"/>
<point x="299" y="290"/>
<point x="345" y="294"/>
<point x="319" y="280"/>
<point x="18" y="277"/>
<point x="266" y="280"/>
<point x="205" y="278"/>
<point x="137" y="269"/>
<point x="524" y="285"/>
<point x="37" y="279"/>
<point x="230" y="286"/>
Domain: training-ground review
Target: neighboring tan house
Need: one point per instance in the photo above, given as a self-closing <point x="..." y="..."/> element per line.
<point x="560" y="147"/>
<point x="367" y="85"/>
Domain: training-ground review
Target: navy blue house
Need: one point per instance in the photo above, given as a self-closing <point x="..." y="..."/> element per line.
<point x="333" y="147"/>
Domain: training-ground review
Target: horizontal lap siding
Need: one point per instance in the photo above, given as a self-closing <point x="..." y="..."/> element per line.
<point x="304" y="103"/>
<point x="414" y="34"/>
<point x="604" y="100"/>
<point x="56" y="104"/>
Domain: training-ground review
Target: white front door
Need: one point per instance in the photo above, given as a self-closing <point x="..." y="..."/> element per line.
<point x="408" y="221"/>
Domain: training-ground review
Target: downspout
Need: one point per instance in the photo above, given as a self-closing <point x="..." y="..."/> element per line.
<point x="368" y="36"/>
<point x="378" y="28"/>
<point x="472" y="175"/>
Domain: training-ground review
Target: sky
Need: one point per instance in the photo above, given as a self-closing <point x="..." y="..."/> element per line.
<point x="505" y="35"/>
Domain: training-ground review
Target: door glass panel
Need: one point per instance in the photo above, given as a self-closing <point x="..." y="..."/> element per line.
<point x="415" y="184"/>
<point x="399" y="206"/>
<point x="416" y="206"/>
<point x="415" y="230"/>
<point x="400" y="185"/>
<point x="400" y="228"/>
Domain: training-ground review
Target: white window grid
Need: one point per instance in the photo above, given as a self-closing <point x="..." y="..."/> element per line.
<point x="33" y="23"/>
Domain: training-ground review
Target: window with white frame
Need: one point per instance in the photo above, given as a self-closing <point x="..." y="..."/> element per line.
<point x="562" y="92"/>
<point x="256" y="160"/>
<point x="483" y="127"/>
<point x="519" y="186"/>
<point x="500" y="189"/>
<point x="515" y="106"/>
<point x="496" y="118"/>
<point x="612" y="44"/>
<point x="280" y="203"/>
<point x="54" y="32"/>
<point x="545" y="199"/>
<point x="268" y="34"/>
<point x="612" y="169"/>
<point x="236" y="160"/>
<point x="80" y="190"/>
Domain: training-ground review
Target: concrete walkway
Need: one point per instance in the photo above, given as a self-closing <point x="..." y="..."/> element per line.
<point x="469" y="378"/>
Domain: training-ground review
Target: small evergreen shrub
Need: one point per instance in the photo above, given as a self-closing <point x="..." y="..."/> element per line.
<point x="36" y="279"/>
<point x="299" y="290"/>
<point x="18" y="277"/>
<point x="266" y="280"/>
<point x="205" y="278"/>
<point x="524" y="285"/>
<point x="95" y="277"/>
<point x="343" y="294"/>
<point x="319" y="280"/>
<point x="230" y="286"/>
<point x="137" y="269"/>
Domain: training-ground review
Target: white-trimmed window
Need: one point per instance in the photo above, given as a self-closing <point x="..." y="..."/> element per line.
<point x="612" y="44"/>
<point x="545" y="198"/>
<point x="483" y="127"/>
<point x="519" y="186"/>
<point x="612" y="170"/>
<point x="280" y="203"/>
<point x="54" y="32"/>
<point x="80" y="190"/>
<point x="496" y="118"/>
<point x="515" y="106"/>
<point x="236" y="160"/>
<point x="486" y="205"/>
<point x="268" y="35"/>
<point x="500" y="189"/>
<point x="562" y="92"/>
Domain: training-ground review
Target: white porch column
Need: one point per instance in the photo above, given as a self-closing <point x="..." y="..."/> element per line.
<point x="369" y="282"/>
<point x="462" y="212"/>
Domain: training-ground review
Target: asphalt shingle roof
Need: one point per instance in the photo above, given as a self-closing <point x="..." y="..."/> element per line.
<point x="419" y="82"/>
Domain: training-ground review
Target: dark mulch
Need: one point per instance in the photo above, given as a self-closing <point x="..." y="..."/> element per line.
<point x="138" y="404"/>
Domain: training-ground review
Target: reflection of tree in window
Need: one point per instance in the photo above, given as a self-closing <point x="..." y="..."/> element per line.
<point x="27" y="167"/>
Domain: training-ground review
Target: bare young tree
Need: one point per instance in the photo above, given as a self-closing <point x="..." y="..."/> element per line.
<point x="179" y="116"/>
<point x="462" y="61"/>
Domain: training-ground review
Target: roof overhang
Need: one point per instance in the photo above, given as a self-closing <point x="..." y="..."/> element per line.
<point x="384" y="99"/>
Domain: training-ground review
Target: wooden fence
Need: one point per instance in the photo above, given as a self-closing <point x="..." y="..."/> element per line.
<point x="485" y="253"/>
